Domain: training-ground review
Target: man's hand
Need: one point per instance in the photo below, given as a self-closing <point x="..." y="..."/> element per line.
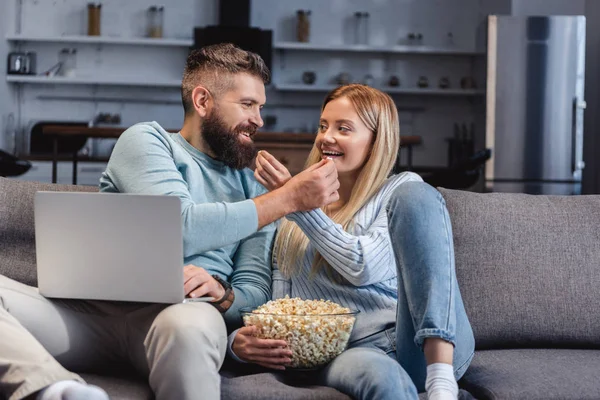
<point x="315" y="187"/>
<point x="198" y="283"/>
<point x="265" y="352"/>
<point x="269" y="172"/>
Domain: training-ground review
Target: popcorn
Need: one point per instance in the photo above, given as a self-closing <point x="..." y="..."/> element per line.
<point x="316" y="330"/>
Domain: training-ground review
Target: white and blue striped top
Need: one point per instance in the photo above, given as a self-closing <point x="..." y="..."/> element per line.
<point x="364" y="257"/>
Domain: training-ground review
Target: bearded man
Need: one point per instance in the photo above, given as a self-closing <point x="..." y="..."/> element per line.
<point x="227" y="220"/>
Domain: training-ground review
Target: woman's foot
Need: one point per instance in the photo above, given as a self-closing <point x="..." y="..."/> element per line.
<point x="440" y="383"/>
<point x="72" y="390"/>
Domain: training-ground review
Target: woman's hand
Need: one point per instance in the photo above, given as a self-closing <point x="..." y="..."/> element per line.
<point x="270" y="172"/>
<point x="264" y="352"/>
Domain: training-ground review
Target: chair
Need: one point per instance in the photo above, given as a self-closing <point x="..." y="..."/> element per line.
<point x="460" y="176"/>
<point x="11" y="165"/>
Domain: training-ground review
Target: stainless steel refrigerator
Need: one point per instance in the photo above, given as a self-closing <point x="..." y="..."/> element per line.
<point x="534" y="104"/>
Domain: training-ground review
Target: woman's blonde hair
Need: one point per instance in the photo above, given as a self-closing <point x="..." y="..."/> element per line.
<point x="378" y="112"/>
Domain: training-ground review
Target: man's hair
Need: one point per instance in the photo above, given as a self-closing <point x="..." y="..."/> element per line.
<point x="212" y="67"/>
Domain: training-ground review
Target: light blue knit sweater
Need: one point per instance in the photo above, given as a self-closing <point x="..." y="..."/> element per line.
<point x="364" y="258"/>
<point x="218" y="218"/>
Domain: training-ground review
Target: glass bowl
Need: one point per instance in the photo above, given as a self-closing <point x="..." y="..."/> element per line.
<point x="314" y="339"/>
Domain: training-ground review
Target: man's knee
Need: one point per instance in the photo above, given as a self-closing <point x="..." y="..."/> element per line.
<point x="188" y="325"/>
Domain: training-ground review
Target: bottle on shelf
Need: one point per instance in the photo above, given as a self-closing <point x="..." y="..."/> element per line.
<point x="94" y="13"/>
<point x="67" y="59"/>
<point x="155" y="21"/>
<point x="303" y="26"/>
<point x="361" y="27"/>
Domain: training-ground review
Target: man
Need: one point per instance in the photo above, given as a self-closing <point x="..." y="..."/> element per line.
<point x="227" y="229"/>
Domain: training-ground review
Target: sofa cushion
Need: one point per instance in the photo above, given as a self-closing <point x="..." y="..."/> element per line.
<point x="255" y="386"/>
<point x="263" y="386"/>
<point x="17" y="231"/>
<point x="528" y="267"/>
<point x="534" y="374"/>
<point x="121" y="388"/>
<point x="274" y="386"/>
<point x="246" y="381"/>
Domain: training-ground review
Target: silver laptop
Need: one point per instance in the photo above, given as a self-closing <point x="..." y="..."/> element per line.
<point x="104" y="246"/>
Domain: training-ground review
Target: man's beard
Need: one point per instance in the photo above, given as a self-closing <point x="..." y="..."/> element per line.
<point x="226" y="144"/>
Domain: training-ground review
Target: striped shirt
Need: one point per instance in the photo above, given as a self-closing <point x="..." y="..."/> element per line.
<point x="363" y="257"/>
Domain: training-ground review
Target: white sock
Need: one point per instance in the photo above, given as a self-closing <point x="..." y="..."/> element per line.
<point x="72" y="390"/>
<point x="440" y="383"/>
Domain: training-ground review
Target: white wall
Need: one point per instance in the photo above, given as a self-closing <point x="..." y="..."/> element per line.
<point x="390" y="23"/>
<point x="7" y="106"/>
<point x="391" y="20"/>
<point x="429" y="116"/>
<point x="119" y="19"/>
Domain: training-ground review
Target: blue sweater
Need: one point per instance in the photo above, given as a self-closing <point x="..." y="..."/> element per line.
<point x="219" y="220"/>
<point x="364" y="257"/>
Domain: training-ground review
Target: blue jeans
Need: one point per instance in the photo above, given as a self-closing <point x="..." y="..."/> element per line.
<point x="391" y="364"/>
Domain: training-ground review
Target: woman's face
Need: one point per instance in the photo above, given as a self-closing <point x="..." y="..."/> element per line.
<point x="344" y="137"/>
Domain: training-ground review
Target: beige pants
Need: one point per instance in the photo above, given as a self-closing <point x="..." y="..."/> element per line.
<point x="179" y="347"/>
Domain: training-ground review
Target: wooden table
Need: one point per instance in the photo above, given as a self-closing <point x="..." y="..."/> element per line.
<point x="290" y="148"/>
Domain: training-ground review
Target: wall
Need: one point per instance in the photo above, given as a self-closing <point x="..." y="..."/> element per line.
<point x="7" y="98"/>
<point x="119" y="19"/>
<point x="432" y="117"/>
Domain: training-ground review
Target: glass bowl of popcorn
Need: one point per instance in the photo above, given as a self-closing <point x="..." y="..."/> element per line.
<point x="316" y="331"/>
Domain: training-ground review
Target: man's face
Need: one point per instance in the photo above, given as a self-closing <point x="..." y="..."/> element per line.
<point x="230" y="125"/>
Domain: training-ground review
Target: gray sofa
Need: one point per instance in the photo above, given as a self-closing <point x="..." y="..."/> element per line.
<point x="528" y="268"/>
<point x="529" y="272"/>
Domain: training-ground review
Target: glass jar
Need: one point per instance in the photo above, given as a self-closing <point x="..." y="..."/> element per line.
<point x="94" y="19"/>
<point x="361" y="28"/>
<point x="68" y="62"/>
<point x="155" y="21"/>
<point x="303" y="25"/>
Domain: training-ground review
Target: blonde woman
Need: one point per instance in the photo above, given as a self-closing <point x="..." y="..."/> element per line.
<point x="384" y="248"/>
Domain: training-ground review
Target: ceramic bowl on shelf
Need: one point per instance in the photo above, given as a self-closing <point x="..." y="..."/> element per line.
<point x="309" y="77"/>
<point x="394" y="81"/>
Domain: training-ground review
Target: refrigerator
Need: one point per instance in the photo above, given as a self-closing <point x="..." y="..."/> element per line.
<point x="534" y="104"/>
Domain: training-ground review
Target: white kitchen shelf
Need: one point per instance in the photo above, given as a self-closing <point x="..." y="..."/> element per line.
<point x="58" y="80"/>
<point x="392" y="90"/>
<point x="399" y="49"/>
<point x="103" y="40"/>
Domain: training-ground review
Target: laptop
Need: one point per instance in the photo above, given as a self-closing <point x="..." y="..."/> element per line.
<point x="101" y="246"/>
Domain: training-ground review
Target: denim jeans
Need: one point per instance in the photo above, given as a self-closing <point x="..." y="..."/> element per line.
<point x="391" y="364"/>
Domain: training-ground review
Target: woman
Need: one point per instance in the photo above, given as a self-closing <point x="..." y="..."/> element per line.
<point x="384" y="248"/>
